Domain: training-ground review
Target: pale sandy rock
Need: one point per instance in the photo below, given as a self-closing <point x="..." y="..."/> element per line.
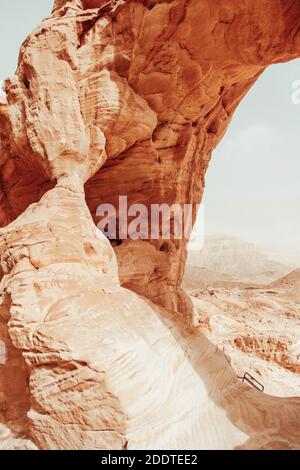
<point x="176" y="86"/>
<point x="130" y="98"/>
<point x="103" y="363"/>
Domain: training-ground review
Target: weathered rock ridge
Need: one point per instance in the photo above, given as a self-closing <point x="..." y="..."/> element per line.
<point x="123" y="98"/>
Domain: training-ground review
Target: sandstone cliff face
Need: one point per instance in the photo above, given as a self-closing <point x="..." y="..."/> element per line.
<point x="124" y="97"/>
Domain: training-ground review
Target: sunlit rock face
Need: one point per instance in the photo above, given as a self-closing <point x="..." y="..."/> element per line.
<point x="123" y="98"/>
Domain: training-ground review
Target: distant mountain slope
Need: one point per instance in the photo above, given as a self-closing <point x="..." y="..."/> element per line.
<point x="238" y="259"/>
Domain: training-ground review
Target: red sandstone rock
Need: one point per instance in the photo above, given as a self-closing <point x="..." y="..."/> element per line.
<point x="128" y="97"/>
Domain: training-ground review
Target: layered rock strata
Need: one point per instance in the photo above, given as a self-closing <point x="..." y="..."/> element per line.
<point x="114" y="98"/>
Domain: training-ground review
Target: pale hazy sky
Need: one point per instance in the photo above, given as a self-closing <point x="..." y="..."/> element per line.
<point x="253" y="188"/>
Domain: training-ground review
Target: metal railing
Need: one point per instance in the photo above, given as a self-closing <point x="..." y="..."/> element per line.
<point x="252" y="381"/>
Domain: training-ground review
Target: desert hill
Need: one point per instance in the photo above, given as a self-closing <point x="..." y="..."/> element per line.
<point x="238" y="260"/>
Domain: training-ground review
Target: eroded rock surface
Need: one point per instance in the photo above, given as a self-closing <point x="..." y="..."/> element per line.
<point x="258" y="328"/>
<point x="124" y="97"/>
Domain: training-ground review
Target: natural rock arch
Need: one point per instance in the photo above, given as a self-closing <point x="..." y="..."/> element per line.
<point x="128" y="97"/>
